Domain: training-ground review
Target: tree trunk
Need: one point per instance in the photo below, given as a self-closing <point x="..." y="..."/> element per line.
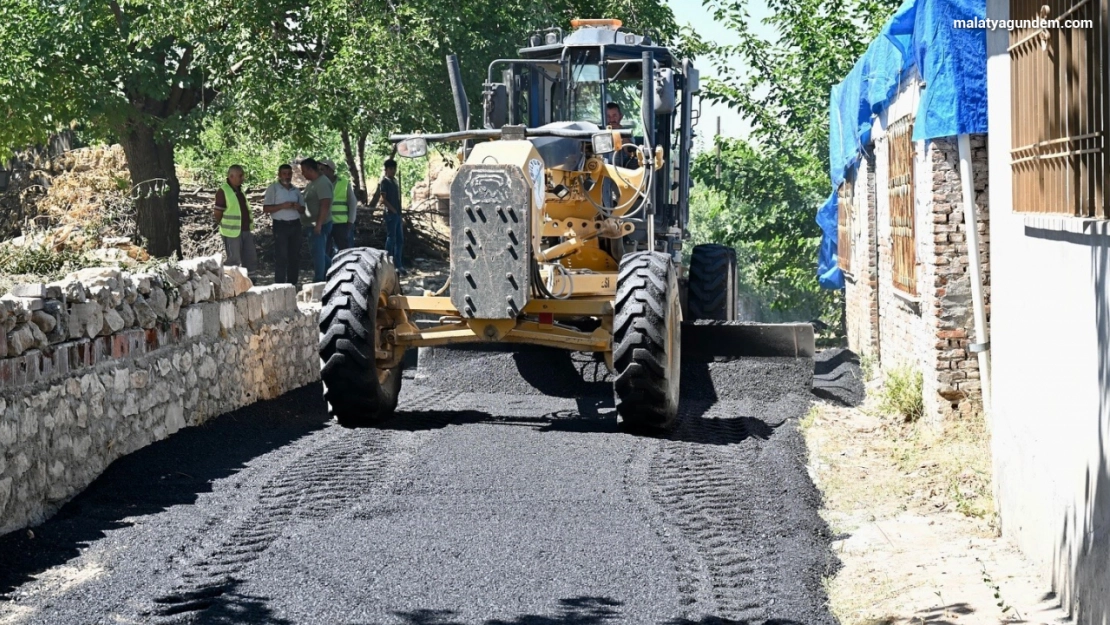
<point x="348" y="153"/>
<point x="362" y="164"/>
<point x="155" y="189"/>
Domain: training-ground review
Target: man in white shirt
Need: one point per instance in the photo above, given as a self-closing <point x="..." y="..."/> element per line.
<point x="285" y="205"/>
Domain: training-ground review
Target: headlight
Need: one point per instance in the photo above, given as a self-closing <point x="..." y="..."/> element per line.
<point x="604" y="143"/>
<point x="413" y="148"/>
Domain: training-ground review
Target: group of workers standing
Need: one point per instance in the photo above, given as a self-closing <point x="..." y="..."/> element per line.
<point x="326" y="209"/>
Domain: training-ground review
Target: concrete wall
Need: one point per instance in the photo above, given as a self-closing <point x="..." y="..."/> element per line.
<point x="929" y="331"/>
<point x="1050" y="338"/>
<point x="71" y="406"/>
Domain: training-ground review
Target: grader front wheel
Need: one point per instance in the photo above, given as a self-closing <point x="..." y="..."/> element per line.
<point x="358" y="392"/>
<point x="646" y="341"/>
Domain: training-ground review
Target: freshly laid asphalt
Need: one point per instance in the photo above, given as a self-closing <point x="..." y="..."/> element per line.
<point x="503" y="492"/>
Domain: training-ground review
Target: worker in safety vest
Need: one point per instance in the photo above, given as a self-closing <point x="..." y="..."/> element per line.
<point x="233" y="216"/>
<point x="343" y="207"/>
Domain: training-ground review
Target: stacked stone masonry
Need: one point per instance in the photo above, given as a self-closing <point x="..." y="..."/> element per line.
<point x="932" y="330"/>
<point x="105" y="362"/>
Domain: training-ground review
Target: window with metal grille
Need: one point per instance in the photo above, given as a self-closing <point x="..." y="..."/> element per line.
<point x="845" y="212"/>
<point x="1059" y="108"/>
<point x="900" y="188"/>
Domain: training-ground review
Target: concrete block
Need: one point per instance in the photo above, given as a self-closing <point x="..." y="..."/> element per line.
<point x="32" y="366"/>
<point x="194" y="321"/>
<point x="211" y="313"/>
<point x="254" y="305"/>
<point x="28" y="290"/>
<point x="59" y="361"/>
<point x="136" y="342"/>
<point x="227" y="315"/>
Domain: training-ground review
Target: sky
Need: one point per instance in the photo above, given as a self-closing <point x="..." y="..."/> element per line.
<point x="692" y="12"/>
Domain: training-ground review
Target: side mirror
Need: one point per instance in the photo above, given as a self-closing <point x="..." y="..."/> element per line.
<point x="414" y="147"/>
<point x="496" y="99"/>
<point x="664" y="91"/>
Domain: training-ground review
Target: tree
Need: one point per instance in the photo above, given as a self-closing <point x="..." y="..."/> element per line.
<point x="140" y="73"/>
<point x="773" y="182"/>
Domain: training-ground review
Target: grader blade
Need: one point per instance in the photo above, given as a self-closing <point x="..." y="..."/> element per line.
<point x="714" y="341"/>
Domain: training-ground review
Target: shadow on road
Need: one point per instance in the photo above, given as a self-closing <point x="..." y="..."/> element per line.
<point x="168" y="473"/>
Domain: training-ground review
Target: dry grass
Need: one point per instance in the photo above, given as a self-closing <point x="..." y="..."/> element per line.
<point x="878" y="467"/>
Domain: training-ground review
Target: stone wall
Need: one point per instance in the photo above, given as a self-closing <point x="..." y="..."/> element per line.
<point x="929" y="331"/>
<point x="106" y="362"/>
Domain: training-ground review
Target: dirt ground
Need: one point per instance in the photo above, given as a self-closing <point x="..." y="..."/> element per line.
<point x="914" y="518"/>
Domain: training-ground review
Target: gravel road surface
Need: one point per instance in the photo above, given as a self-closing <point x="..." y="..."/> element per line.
<point x="504" y="492"/>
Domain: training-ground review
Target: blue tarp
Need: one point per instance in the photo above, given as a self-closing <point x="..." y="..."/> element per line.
<point x="953" y="64"/>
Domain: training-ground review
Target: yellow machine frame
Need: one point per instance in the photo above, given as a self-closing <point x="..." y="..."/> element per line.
<point x="576" y="268"/>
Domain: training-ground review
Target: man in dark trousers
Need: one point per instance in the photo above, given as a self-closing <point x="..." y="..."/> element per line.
<point x="233" y="216"/>
<point x="285" y="205"/>
<point x="389" y="192"/>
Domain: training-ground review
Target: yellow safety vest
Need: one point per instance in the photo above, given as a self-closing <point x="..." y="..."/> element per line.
<point x="231" y="224"/>
<point x="339" y="201"/>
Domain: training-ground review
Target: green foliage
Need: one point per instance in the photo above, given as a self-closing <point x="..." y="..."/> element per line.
<point x="764" y="208"/>
<point x="41" y="261"/>
<point x="220" y="146"/>
<point x="901" y="394"/>
<point x="772" y="184"/>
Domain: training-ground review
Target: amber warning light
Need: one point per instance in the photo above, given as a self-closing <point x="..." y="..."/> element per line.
<point x="579" y="23"/>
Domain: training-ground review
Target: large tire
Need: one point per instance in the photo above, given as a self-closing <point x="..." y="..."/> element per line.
<point x="711" y="290"/>
<point x="647" y="342"/>
<point x="358" y="393"/>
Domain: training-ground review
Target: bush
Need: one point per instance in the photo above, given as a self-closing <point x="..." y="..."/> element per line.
<point x="901" y="394"/>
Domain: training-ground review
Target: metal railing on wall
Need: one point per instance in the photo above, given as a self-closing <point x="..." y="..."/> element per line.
<point x="1060" y="108"/>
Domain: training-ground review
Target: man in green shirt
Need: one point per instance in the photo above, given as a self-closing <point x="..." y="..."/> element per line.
<point x="317" y="198"/>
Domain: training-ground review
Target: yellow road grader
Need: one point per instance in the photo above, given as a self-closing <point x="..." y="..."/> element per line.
<point x="568" y="216"/>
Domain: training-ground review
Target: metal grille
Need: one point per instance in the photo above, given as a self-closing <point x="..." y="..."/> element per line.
<point x="901" y="205"/>
<point x="844" y="216"/>
<point x="1059" y="108"/>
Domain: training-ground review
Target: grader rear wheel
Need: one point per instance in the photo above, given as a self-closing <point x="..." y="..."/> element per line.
<point x="712" y="283"/>
<point x="358" y="392"/>
<point x="646" y="341"/>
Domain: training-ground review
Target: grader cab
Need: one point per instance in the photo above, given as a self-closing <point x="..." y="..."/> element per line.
<point x="568" y="216"/>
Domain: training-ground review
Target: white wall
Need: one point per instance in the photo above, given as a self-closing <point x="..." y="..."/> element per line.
<point x="1049" y="326"/>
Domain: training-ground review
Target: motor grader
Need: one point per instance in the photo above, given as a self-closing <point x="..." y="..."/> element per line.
<point x="566" y="232"/>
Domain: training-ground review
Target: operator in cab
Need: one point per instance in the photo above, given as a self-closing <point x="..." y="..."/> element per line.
<point x="626" y="156"/>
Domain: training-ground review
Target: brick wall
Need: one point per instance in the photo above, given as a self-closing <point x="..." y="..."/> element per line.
<point x="861" y="283"/>
<point x="957" y="377"/>
<point x="931" y="331"/>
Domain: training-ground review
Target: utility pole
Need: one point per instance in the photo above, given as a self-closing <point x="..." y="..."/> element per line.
<point x="718" y="142"/>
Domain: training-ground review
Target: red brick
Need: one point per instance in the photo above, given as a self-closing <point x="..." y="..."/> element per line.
<point x="952" y="334"/>
<point x="152" y="340"/>
<point x="940" y="218"/>
<point x="120" y="346"/>
<point x="940" y="238"/>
